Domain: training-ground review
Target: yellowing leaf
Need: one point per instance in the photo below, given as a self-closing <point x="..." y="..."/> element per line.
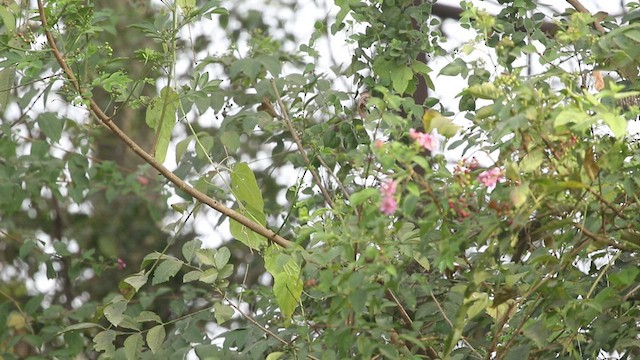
<point x="186" y="4"/>
<point x="161" y="117"/>
<point x="519" y="195"/>
<point x="589" y="163"/>
<point x="498" y="313"/>
<point x="434" y="120"/>
<point x="484" y="91"/>
<point x="15" y="321"/>
<point x="250" y="204"/>
<point x="478" y="302"/>
<point x="275" y="355"/>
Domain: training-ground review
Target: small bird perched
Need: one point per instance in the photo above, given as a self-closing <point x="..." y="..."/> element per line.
<point x="626" y="102"/>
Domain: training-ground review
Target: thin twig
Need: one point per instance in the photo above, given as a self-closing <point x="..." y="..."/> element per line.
<point x="334" y="177"/>
<point x="181" y="184"/>
<point x="631" y="292"/>
<point x="15" y="302"/>
<point x="599" y="238"/>
<point x="403" y="312"/>
<point x="254" y="322"/>
<point x="264" y="329"/>
<point x="602" y="273"/>
<point x="444" y="315"/>
<point x="303" y="153"/>
<point x="608" y="204"/>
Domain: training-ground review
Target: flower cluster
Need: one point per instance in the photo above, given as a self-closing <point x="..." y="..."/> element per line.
<point x="490" y="177"/>
<point x="389" y="205"/>
<point x="427" y="141"/>
<point x="120" y="264"/>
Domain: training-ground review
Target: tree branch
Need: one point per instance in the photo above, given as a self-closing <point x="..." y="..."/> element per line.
<point x="177" y="181"/>
<point x="303" y="153"/>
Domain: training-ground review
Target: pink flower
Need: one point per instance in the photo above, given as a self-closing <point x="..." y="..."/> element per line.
<point x="489" y="178"/>
<point x="379" y="144"/>
<point x="388" y="205"/>
<point x="388" y="188"/>
<point x="427" y="141"/>
<point x="120" y="264"/>
<point x="142" y="180"/>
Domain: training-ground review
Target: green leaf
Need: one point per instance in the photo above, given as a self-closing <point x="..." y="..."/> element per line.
<point x="161" y="117"/>
<point x="531" y="161"/>
<point x="152" y="257"/>
<point x="8" y="19"/>
<point x="209" y="276"/>
<point x="206" y="256"/>
<point x="133" y="346"/>
<point x="222" y="312"/>
<point x="571" y="116"/>
<point x="189" y="249"/>
<point x="192" y="276"/>
<point x="249" y="198"/>
<point x="272" y="63"/>
<point x="204" y="144"/>
<point x="27" y="248"/>
<point x="166" y="270"/>
<point x="287" y="284"/>
<point x="51" y="125"/>
<point x="248" y="66"/>
<point x="61" y="248"/>
<point x="363" y="195"/>
<point x="625" y="277"/>
<point x="155" y="338"/>
<point x="80" y="326"/>
<point x="181" y="207"/>
<point x="145" y="316"/>
<point x="536" y="331"/>
<point x="400" y="77"/>
<point x="137" y="280"/>
<point x="222" y="257"/>
<point x="454" y="68"/>
<point x="7" y="76"/>
<point x="115" y="310"/>
<point x="182" y="146"/>
<point x="104" y="341"/>
<point x="226" y="271"/>
<point x="231" y="140"/>
<point x="617" y="123"/>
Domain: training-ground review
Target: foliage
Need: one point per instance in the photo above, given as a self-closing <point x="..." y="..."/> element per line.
<point x="376" y="245"/>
